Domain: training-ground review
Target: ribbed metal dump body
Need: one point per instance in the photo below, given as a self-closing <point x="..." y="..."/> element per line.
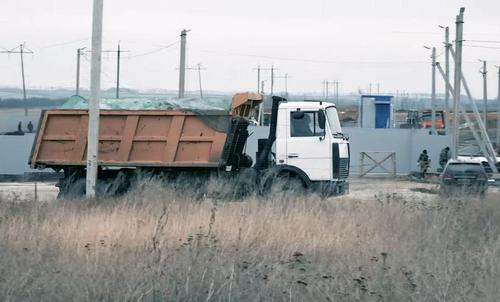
<point x="154" y="138"/>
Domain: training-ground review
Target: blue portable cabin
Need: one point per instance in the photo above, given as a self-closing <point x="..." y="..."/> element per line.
<point x="375" y="111"/>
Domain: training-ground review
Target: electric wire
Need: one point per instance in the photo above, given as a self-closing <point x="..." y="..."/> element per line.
<point x="308" y="60"/>
<point x="62" y="43"/>
<point x="481" y="46"/>
<point x="483" y="41"/>
<point x="152" y="51"/>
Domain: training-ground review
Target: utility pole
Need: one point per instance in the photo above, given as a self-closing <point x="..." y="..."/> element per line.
<point x="286" y="76"/>
<point x="118" y="59"/>
<point x="260" y="119"/>
<point x="199" y="69"/>
<point x="199" y="80"/>
<point x="459" y="23"/>
<point x="286" y="84"/>
<point x="336" y="92"/>
<point x="272" y="80"/>
<point x="182" y="65"/>
<point x="118" y="55"/>
<point x="433" y="92"/>
<point x="378" y="88"/>
<point x="79" y="53"/>
<point x="484" y="72"/>
<point x="447" y="75"/>
<point x="498" y="113"/>
<point x="327" y="83"/>
<point x="484" y="143"/>
<point x="272" y="69"/>
<point x="261" y="106"/>
<point x="21" y="52"/>
<point x="95" y="87"/>
<point x="258" y="79"/>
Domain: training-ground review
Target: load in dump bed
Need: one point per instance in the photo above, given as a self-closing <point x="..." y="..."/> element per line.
<point x="146" y="138"/>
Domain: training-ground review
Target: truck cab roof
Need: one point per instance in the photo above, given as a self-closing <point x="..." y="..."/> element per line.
<point x="306" y="105"/>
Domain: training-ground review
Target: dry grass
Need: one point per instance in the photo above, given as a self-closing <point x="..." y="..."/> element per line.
<point x="154" y="245"/>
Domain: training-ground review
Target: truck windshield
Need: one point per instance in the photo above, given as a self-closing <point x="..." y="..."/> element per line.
<point x="333" y="120"/>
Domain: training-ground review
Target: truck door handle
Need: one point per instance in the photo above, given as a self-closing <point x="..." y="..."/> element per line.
<point x="293" y="155"/>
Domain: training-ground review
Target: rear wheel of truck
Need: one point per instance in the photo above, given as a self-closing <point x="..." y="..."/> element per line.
<point x="72" y="188"/>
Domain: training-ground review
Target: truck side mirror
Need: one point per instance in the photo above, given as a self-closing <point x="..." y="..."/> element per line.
<point x="321" y="119"/>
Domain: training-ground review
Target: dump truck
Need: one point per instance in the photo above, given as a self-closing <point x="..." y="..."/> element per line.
<point x="305" y="145"/>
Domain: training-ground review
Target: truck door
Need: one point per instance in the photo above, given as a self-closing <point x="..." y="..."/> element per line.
<point x="308" y="148"/>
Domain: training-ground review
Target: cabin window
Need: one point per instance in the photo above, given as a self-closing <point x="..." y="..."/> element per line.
<point x="305" y="123"/>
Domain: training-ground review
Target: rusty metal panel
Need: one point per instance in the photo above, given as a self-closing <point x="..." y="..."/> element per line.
<point x="129" y="138"/>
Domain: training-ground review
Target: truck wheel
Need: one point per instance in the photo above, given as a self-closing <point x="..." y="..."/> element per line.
<point x="72" y="189"/>
<point x="288" y="183"/>
<point x="244" y="184"/>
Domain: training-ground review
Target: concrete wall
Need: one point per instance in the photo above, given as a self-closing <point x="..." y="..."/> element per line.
<point x="14" y="154"/>
<point x="9" y="118"/>
<point x="407" y="143"/>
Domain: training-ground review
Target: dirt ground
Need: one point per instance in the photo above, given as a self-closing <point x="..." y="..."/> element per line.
<point x="360" y="188"/>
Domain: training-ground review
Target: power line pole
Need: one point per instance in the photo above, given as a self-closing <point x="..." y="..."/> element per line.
<point x="433" y="92"/>
<point x="483" y="142"/>
<point x="286" y="85"/>
<point x="336" y="92"/>
<point x="484" y="72"/>
<point x="498" y="113"/>
<point x="272" y="80"/>
<point x="286" y="76"/>
<point x="118" y="59"/>
<point x="199" y="69"/>
<point x="182" y="64"/>
<point x="95" y="87"/>
<point x="447" y="75"/>
<point x="199" y="80"/>
<point x="260" y="115"/>
<point x="118" y="55"/>
<point x="261" y="106"/>
<point x="459" y="23"/>
<point x="258" y="78"/>
<point x="79" y="53"/>
<point x="22" y="50"/>
<point x="326" y="84"/>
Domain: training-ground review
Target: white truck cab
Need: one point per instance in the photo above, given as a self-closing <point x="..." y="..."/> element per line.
<point x="309" y="142"/>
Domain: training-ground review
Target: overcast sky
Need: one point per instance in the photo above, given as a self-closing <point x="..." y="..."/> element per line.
<point x="356" y="42"/>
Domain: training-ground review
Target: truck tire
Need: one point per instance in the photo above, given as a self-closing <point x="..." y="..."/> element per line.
<point x="284" y="182"/>
<point x="72" y="188"/>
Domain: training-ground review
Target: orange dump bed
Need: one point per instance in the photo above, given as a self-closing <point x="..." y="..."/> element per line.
<point x="154" y="138"/>
<point x="129" y="138"/>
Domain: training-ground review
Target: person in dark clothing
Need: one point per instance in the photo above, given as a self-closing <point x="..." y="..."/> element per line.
<point x="20" y="127"/>
<point x="30" y="127"/>
<point x="444" y="157"/>
<point x="424" y="162"/>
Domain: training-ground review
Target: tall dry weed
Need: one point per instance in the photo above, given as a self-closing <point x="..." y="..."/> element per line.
<point x="158" y="244"/>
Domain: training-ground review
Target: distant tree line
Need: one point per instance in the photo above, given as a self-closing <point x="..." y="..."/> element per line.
<point x="31" y="102"/>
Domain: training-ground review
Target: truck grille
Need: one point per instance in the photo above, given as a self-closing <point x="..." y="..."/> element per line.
<point x="343" y="167"/>
<point x="340" y="164"/>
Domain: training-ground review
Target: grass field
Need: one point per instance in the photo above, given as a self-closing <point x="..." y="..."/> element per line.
<point x="160" y="245"/>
